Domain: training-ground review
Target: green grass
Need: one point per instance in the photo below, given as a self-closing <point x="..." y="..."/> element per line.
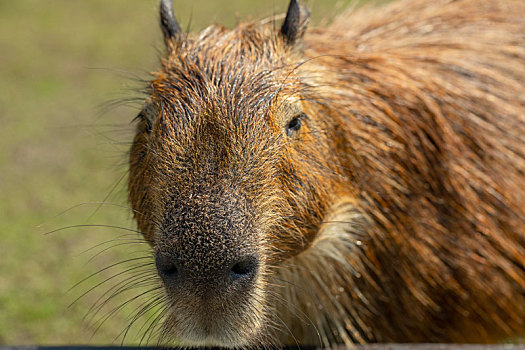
<point x="60" y="61"/>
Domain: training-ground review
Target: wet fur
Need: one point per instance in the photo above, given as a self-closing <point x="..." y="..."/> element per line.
<point x="397" y="213"/>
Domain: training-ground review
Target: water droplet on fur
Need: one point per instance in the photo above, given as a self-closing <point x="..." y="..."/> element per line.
<point x="358" y="242"/>
<point x="341" y="289"/>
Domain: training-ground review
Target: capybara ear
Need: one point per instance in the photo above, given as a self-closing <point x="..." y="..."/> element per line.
<point x="170" y="27"/>
<point x="295" y="23"/>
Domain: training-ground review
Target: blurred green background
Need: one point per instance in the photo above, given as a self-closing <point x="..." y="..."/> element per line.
<point x="63" y="64"/>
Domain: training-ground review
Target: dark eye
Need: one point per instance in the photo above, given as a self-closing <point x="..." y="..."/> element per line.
<point x="144" y="122"/>
<point x="294" y="124"/>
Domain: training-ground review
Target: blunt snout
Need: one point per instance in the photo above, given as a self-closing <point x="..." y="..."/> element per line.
<point x="207" y="245"/>
<point x="209" y="275"/>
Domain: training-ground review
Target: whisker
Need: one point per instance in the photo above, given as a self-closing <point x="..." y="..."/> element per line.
<point x="122" y="237"/>
<point x="91" y="225"/>
<point x="131" y="242"/>
<point x="121" y="306"/>
<point x="153" y="323"/>
<point x="147" y="306"/>
<point x="153" y="328"/>
<point x="146" y="278"/>
<point x="107" y="268"/>
<point x="117" y="183"/>
<point x="94" y="203"/>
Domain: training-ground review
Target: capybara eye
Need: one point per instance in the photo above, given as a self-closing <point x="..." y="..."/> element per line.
<point x="144" y="122"/>
<point x="294" y="124"/>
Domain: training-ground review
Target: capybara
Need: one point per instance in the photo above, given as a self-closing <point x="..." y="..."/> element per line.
<point x="360" y="182"/>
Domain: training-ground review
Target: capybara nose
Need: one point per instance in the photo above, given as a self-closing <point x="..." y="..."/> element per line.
<point x="243" y="269"/>
<point x="205" y="273"/>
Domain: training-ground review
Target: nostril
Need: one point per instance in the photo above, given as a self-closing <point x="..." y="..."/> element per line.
<point x="167" y="267"/>
<point x="170" y="271"/>
<point x="243" y="268"/>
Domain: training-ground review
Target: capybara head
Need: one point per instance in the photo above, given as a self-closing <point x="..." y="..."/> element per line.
<point x="331" y="190"/>
<point x="230" y="173"/>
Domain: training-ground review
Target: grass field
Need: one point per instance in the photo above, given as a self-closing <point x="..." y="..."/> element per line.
<point x="62" y="63"/>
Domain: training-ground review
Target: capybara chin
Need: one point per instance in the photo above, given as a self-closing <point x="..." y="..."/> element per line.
<point x="363" y="182"/>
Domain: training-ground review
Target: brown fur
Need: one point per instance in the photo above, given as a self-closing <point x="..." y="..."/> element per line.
<point x="396" y="212"/>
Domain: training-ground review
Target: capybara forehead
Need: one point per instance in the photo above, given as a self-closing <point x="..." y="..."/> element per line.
<point x="191" y="92"/>
<point x="237" y="72"/>
<point x="252" y="44"/>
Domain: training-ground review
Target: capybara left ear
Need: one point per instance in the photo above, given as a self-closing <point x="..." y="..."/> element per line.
<point x="295" y="23"/>
<point x="169" y="25"/>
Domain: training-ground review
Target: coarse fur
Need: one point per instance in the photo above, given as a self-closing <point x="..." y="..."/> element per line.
<point x="376" y="168"/>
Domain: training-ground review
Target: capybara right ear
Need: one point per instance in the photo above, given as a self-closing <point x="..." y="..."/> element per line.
<point x="169" y="25"/>
<point x="295" y="23"/>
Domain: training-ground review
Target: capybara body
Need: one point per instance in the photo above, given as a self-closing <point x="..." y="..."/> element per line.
<point x="363" y="182"/>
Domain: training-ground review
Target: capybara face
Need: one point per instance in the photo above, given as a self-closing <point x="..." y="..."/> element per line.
<point x="228" y="157"/>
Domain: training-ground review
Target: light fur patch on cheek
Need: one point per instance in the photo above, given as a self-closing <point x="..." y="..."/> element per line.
<point x="317" y="284"/>
<point x="344" y="224"/>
